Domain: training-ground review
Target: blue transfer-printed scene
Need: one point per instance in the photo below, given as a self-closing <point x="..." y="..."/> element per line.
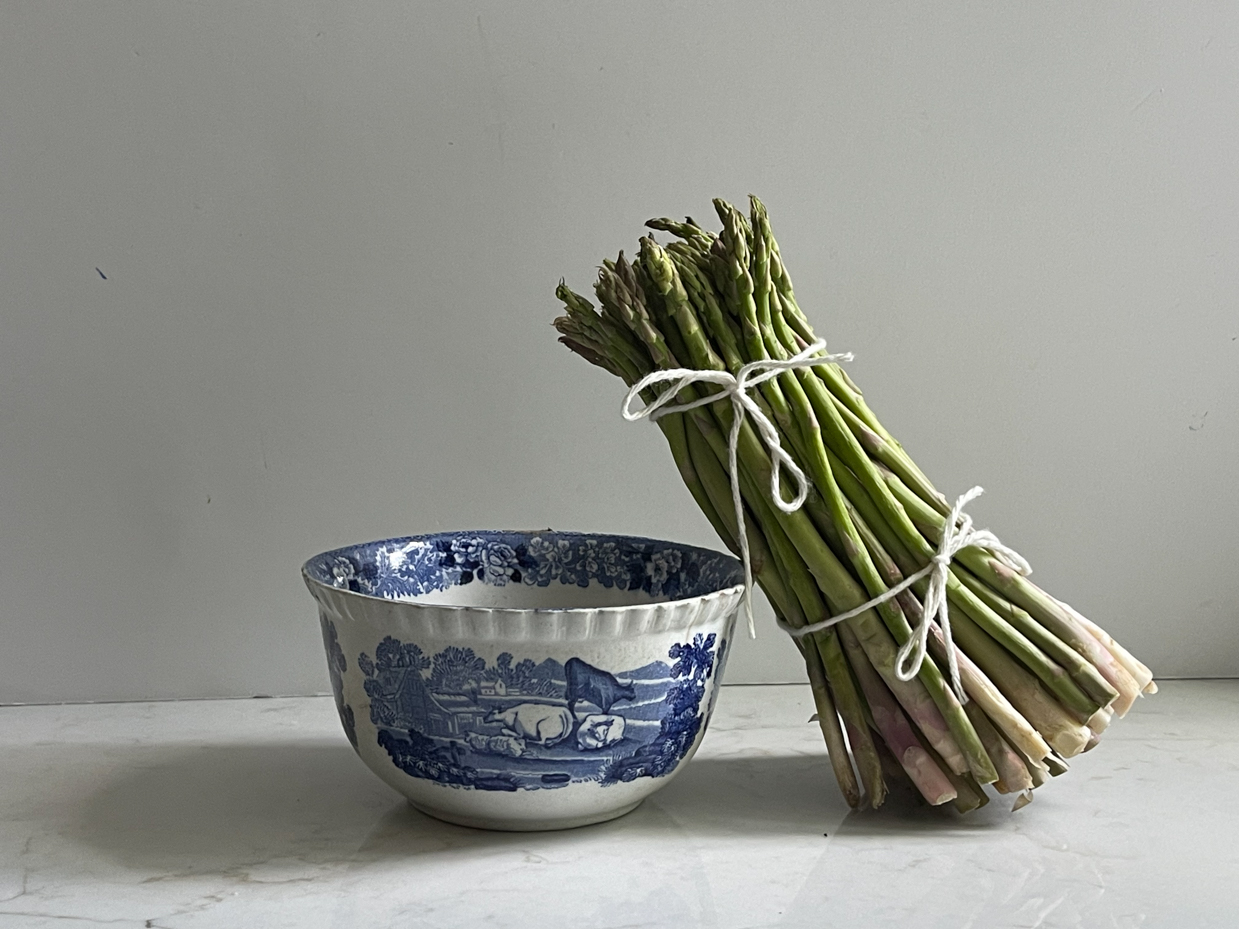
<point x="336" y="666"/>
<point x="409" y="567"/>
<point x="515" y="725"/>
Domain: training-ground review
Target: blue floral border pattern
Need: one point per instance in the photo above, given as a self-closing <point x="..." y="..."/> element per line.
<point x="336" y="666"/>
<point x="404" y="568"/>
<point x="527" y="725"/>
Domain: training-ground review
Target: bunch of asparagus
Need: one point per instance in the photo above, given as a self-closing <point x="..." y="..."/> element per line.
<point x="1041" y="682"/>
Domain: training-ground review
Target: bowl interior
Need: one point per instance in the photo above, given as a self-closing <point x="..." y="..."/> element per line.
<point x="542" y="570"/>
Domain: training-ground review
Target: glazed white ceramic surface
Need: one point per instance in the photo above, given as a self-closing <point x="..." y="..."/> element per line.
<point x="525" y="681"/>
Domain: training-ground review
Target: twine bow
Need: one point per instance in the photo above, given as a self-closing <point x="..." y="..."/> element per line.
<point x="736" y="389"/>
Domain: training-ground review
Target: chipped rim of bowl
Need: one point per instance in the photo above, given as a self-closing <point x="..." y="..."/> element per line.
<point x="313" y="582"/>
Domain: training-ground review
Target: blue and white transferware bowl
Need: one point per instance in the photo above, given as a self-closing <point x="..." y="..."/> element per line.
<point x="525" y="680"/>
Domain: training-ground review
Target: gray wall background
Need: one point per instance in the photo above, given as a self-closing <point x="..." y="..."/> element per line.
<point x="330" y="234"/>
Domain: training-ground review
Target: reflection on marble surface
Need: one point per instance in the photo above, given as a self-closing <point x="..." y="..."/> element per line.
<point x="256" y="813"/>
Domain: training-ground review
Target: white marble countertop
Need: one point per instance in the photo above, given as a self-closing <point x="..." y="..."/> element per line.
<point x="256" y="813"/>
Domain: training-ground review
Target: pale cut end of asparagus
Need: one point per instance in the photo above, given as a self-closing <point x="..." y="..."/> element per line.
<point x="968" y="794"/>
<point x="930" y="779"/>
<point x="1070" y="742"/>
<point x="1100" y="721"/>
<point x="1137" y="669"/>
<point x="1056" y="764"/>
<point x="1039" y="773"/>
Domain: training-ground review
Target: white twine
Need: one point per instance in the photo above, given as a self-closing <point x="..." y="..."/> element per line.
<point x="957" y="533"/>
<point x="736" y="389"/>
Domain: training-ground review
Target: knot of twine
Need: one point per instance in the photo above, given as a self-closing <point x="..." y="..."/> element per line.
<point x="957" y="532"/>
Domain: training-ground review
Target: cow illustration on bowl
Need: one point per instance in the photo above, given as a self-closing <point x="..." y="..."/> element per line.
<point x="590" y="694"/>
<point x="543" y="724"/>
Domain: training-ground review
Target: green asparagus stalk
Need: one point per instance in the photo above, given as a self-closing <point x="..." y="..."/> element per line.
<point x="978" y="687"/>
<point x="1102" y="678"/>
<point x="828" y="720"/>
<point x="962" y="600"/>
<point x="958" y="743"/>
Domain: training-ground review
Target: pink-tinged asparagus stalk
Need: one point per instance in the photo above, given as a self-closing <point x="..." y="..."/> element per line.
<point x="976" y="685"/>
<point x="1050" y="612"/>
<point x="1013" y="775"/>
<point x="889" y="720"/>
<point x="969" y="795"/>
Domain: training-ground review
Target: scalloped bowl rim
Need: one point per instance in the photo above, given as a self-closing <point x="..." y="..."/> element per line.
<point x="312" y="581"/>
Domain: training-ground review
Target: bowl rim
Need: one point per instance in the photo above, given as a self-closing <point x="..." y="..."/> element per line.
<point x="314" y="583"/>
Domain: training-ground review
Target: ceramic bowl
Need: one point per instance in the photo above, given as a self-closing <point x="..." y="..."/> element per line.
<point x="525" y="680"/>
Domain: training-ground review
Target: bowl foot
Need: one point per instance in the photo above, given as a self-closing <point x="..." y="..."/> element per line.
<point x="526" y="825"/>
